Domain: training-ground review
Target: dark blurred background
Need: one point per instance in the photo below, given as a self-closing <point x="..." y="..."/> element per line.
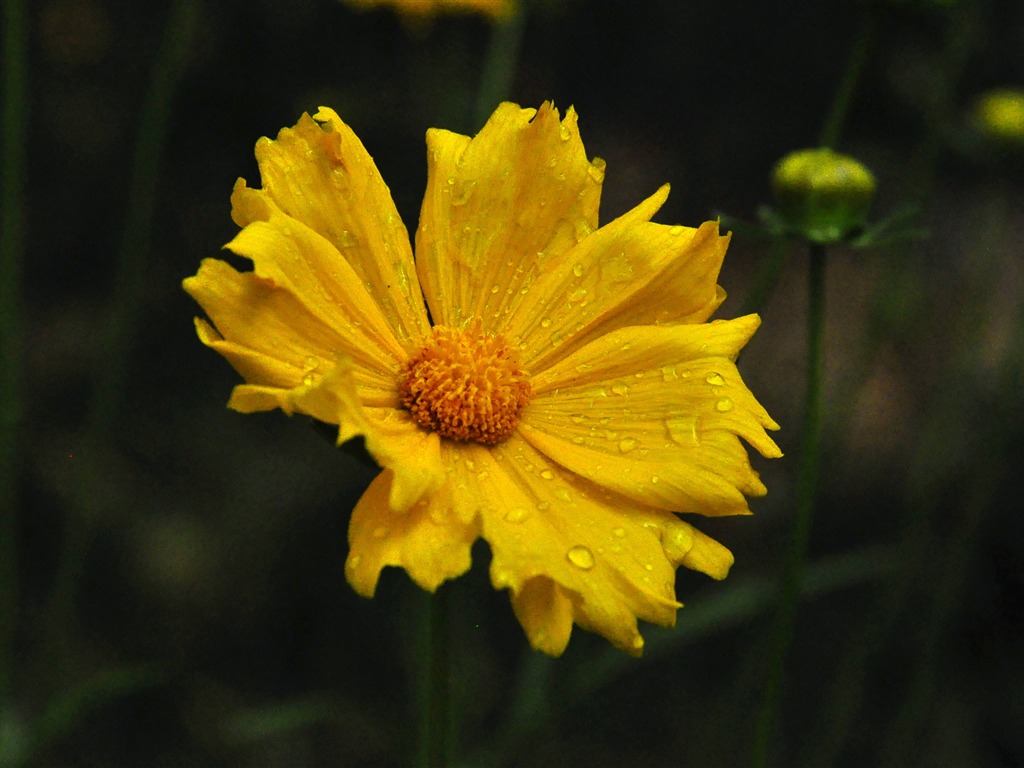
<point x="182" y="600"/>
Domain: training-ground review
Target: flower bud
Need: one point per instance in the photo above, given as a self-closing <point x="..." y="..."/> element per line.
<point x="822" y="195"/>
<point x="999" y="115"/>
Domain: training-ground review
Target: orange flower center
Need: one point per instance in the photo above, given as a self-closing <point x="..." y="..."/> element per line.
<point x="466" y="385"/>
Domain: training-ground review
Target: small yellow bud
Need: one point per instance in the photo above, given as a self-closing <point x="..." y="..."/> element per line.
<point x="999" y="115"/>
<point x="821" y="194"/>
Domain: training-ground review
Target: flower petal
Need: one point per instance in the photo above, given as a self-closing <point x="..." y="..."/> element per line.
<point x="498" y="208"/>
<point x="290" y="255"/>
<point x="653" y="413"/>
<point x="319" y="173"/>
<point x="424" y="539"/>
<point x="564" y="547"/>
<point x="270" y="337"/>
<point x="629" y="272"/>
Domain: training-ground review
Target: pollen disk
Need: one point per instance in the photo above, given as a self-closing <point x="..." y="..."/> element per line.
<point x="466" y="385"/>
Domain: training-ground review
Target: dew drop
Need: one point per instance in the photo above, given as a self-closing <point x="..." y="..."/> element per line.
<point x="675" y="230"/>
<point x="638" y="643"/>
<point x="495" y="288"/>
<point x="483" y="475"/>
<point x="545" y="323"/>
<point x="715" y="379"/>
<point x="354" y="561"/>
<point x="581" y="557"/>
<point x="547" y="474"/>
<point x="620" y="389"/>
<point x="723" y="405"/>
<point x="577" y="269"/>
<point x="578" y="440"/>
<point x="309" y="379"/>
<point x="543" y="505"/>
<point x="347" y="240"/>
<point x="563" y="132"/>
<point x="517" y="514"/>
<point x="620" y="532"/>
<point x="648" y="567"/>
<point x="654" y="479"/>
<point x="668" y="373"/>
<point x="577" y="418"/>
<point x="627" y="444"/>
<point x="682" y="429"/>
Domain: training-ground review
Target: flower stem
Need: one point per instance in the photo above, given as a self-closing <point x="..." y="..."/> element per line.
<point x="807" y="487"/>
<point x="499" y="66"/>
<point x="13" y="120"/>
<point x="435" y="748"/>
<point x="843" y="98"/>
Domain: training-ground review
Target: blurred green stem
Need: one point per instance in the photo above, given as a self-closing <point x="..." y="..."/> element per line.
<point x="435" y="749"/>
<point x="499" y="66"/>
<point x="111" y="369"/>
<point x="807" y="488"/>
<point x="14" y="107"/>
<point x="843" y="99"/>
<point x="768" y="276"/>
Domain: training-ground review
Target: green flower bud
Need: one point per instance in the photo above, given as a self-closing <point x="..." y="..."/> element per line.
<point x="821" y="194"/>
<point x="999" y="115"/>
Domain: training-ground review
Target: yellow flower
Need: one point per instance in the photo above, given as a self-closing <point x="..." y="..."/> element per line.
<point x="496" y="9"/>
<point x="530" y="378"/>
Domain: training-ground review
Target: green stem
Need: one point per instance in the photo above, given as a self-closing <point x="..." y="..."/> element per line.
<point x="435" y="750"/>
<point x="14" y="119"/>
<point x="843" y="99"/>
<point x="499" y="66"/>
<point x="807" y="488"/>
<point x="767" y="278"/>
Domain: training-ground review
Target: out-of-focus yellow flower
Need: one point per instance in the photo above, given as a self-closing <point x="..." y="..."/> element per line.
<point x="999" y="114"/>
<point x="529" y="378"/>
<point x="496" y="9"/>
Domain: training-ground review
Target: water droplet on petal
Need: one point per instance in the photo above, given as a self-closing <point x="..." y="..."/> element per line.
<point x="620" y="389"/>
<point x="627" y="444"/>
<point x="545" y="323"/>
<point x="723" y="405"/>
<point x="577" y="269"/>
<point x="638" y="643"/>
<point x="517" y="514"/>
<point x="675" y="230"/>
<point x="714" y="379"/>
<point x="668" y="373"/>
<point x="619" y="532"/>
<point x="577" y="418"/>
<point x="683" y="430"/>
<point x="581" y="557"/>
<point x="354" y="561"/>
<point x="547" y="474"/>
<point x="563" y="132"/>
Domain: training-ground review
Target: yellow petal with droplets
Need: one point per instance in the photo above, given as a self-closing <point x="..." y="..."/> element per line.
<point x="613" y="568"/>
<point x="425" y="539"/>
<point x="654" y="414"/>
<point x="319" y="173"/>
<point x="498" y="208"/>
<point x="290" y="255"/>
<point x="270" y="337"/>
<point x="629" y="272"/>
